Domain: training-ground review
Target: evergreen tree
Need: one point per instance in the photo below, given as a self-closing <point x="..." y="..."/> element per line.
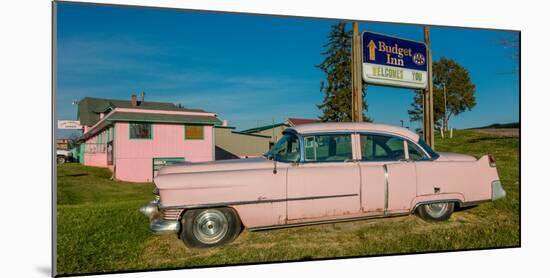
<point x="336" y="106"/>
<point x="460" y="93"/>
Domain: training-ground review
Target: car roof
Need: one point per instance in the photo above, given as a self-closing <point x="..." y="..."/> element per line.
<point x="354" y="127"/>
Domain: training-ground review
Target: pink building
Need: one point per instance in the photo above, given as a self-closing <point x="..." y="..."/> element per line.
<point x="134" y="138"/>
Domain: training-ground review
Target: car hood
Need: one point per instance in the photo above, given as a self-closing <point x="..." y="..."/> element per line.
<point x="443" y="156"/>
<point x="219" y="165"/>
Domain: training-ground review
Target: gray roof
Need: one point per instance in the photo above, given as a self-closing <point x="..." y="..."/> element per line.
<point x="89" y="108"/>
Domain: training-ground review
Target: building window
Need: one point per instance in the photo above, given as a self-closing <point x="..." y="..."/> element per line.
<point x="140" y="131"/>
<point x="194" y="132"/>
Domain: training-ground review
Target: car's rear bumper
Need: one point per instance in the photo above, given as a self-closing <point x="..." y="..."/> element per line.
<point x="157" y="224"/>
<point x="497" y="192"/>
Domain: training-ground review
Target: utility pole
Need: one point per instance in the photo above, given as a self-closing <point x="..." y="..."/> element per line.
<point x="428" y="95"/>
<point x="445" y="123"/>
<point x="356" y="78"/>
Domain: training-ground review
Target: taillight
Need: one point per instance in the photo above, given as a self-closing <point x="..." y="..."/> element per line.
<point x="492" y="161"/>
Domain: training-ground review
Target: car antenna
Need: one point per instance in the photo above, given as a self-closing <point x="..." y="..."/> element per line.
<point x="274" y="165"/>
<point x="273" y="157"/>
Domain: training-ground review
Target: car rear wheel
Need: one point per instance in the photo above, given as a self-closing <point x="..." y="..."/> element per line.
<point x="203" y="228"/>
<point x="436" y="211"/>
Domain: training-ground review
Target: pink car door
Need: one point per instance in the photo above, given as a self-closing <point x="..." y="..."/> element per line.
<point x="388" y="177"/>
<point x="326" y="183"/>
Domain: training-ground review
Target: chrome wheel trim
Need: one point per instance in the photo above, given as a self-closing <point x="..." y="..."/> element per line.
<point x="210" y="226"/>
<point x="436" y="210"/>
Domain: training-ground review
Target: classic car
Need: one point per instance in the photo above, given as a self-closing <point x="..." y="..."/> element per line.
<point x="319" y="173"/>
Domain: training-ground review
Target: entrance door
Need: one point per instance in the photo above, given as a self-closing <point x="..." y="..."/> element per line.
<point x="326" y="184"/>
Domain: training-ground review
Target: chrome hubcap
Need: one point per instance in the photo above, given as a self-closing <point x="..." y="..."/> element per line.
<point x="437" y="210"/>
<point x="210" y="226"/>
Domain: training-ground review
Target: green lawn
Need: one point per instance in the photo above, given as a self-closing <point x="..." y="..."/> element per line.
<point x="99" y="228"/>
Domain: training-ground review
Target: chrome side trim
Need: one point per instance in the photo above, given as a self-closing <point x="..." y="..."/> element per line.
<point x="262" y="228"/>
<point x="386" y="189"/>
<point x="222" y="204"/>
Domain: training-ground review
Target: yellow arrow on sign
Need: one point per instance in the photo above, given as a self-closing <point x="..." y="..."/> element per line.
<point x="372" y="49"/>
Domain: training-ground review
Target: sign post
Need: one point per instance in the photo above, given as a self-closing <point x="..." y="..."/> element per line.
<point x="356" y="82"/>
<point x="429" y="96"/>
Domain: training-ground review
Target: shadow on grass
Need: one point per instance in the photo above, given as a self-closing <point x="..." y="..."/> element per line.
<point x="464" y="208"/>
<point x="75" y="175"/>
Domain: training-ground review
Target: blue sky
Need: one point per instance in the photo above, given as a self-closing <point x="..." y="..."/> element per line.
<point x="251" y="69"/>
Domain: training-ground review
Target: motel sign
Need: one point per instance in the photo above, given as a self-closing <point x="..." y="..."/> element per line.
<point x="392" y="61"/>
<point x="68" y="124"/>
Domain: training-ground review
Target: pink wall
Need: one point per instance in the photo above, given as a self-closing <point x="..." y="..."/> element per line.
<point x="134" y="157"/>
<point x="98" y="159"/>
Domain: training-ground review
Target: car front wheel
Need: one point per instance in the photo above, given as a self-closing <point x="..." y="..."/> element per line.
<point x="203" y="228"/>
<point x="61" y="159"/>
<point x="435" y="211"/>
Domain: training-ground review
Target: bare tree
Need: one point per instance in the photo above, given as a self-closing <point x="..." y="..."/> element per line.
<point x="512" y="43"/>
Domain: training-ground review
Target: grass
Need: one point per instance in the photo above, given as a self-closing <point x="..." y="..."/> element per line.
<point x="99" y="228"/>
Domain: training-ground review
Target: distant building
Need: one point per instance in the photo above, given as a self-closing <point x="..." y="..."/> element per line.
<point x="274" y="131"/>
<point x="233" y="144"/>
<point x="62" y="144"/>
<point x="135" y="137"/>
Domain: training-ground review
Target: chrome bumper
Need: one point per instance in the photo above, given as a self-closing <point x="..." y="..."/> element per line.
<point x="156" y="223"/>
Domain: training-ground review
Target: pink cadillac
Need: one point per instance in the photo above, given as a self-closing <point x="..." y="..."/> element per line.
<point x="319" y="173"/>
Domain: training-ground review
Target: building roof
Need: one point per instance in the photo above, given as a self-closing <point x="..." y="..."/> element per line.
<point x="355" y="127"/>
<point x="300" y="121"/>
<point x="89" y="108"/>
<point x="261" y="128"/>
<point x="288" y="122"/>
<point x="163" y="118"/>
<point x="119" y="116"/>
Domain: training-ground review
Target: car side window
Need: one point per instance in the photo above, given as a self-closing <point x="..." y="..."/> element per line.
<point x="382" y="148"/>
<point x="328" y="148"/>
<point x="287" y="148"/>
<point x="415" y="153"/>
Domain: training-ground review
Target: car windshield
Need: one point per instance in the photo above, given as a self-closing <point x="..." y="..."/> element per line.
<point x="428" y="149"/>
<point x="286" y="149"/>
